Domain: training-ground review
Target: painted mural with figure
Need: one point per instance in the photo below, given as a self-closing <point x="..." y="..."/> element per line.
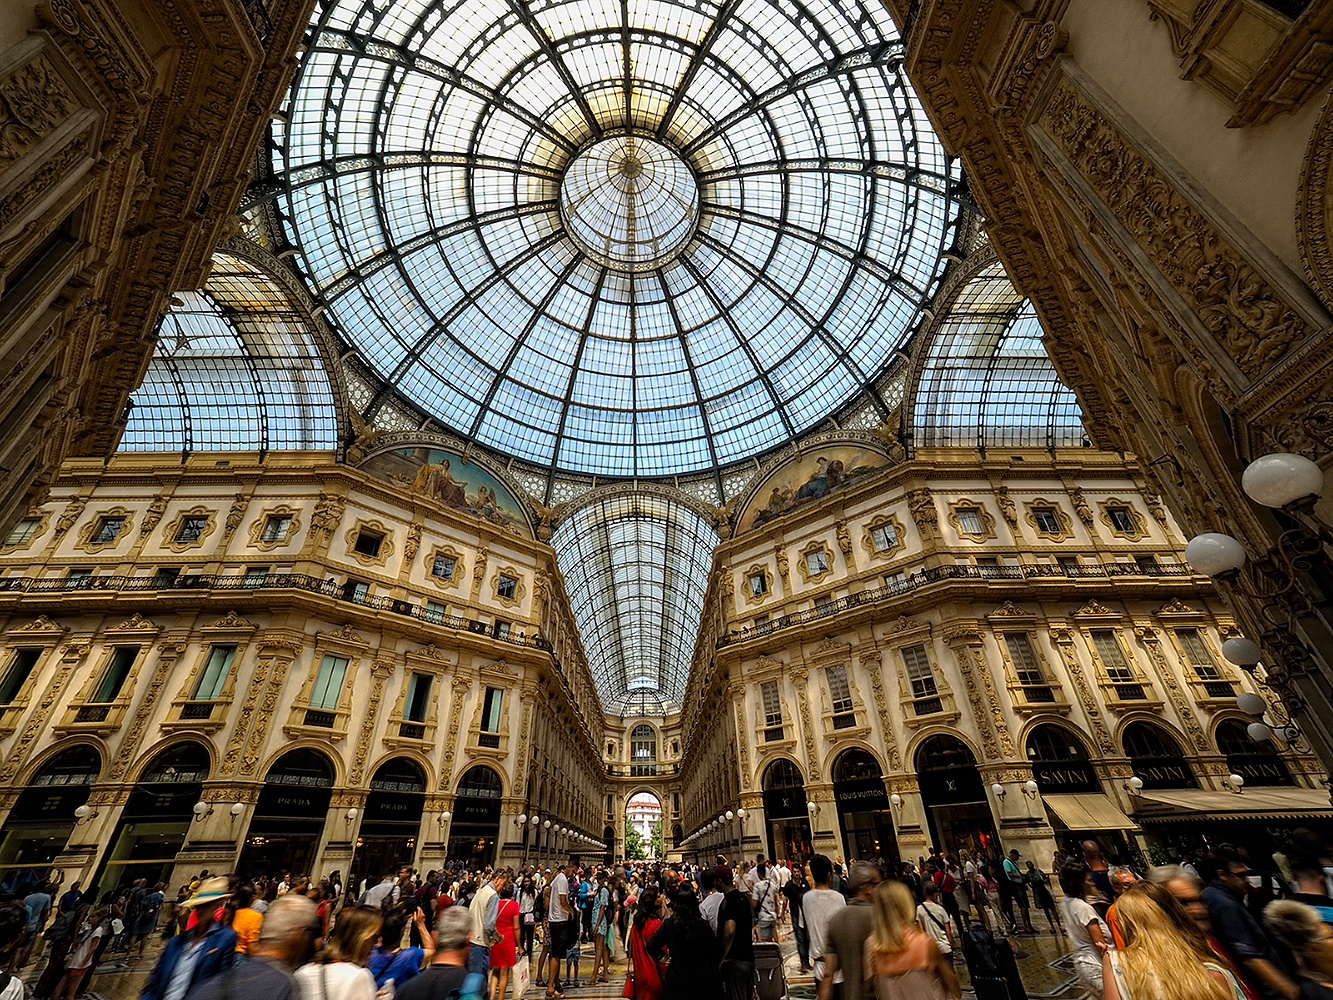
<point x="810" y="477"/>
<point x="450" y="479"/>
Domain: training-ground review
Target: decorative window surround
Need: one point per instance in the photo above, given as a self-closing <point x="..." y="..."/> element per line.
<point x="987" y="520"/>
<point x="41" y="633"/>
<point x="433" y="663"/>
<point x="868" y="536"/>
<point x="1140" y="523"/>
<point x="520" y="588"/>
<point x="831" y="654"/>
<point x="768" y="669"/>
<point x="230" y="630"/>
<point x="757" y="570"/>
<point x="90" y="527"/>
<point x="1066" y="522"/>
<point x="173" y="529"/>
<point x="43" y="519"/>
<point x="105" y="717"/>
<point x="1093" y="617"/>
<point x="504" y="677"/>
<point x="803" y="563"/>
<point x="444" y="583"/>
<point x="344" y="642"/>
<point x="257" y="528"/>
<point x="907" y="632"/>
<point x="386" y="549"/>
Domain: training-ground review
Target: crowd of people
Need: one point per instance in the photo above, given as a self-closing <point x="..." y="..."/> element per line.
<point x="1204" y="929"/>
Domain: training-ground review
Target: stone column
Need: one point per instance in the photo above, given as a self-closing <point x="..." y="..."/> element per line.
<point x="214" y="840"/>
<point x="754" y="828"/>
<point x="433" y="845"/>
<point x="336" y="850"/>
<point x="909" y="816"/>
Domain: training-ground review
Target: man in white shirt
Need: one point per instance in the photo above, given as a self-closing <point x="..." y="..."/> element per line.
<point x="712" y="901"/>
<point x="932" y="918"/>
<point x="377" y="894"/>
<point x="485" y="911"/>
<point x="563" y="927"/>
<point x="817" y="907"/>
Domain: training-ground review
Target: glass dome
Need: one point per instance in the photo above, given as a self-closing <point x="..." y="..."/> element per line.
<point x="640" y="239"/>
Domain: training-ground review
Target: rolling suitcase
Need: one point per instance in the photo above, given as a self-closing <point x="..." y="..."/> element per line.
<point x="768" y="970"/>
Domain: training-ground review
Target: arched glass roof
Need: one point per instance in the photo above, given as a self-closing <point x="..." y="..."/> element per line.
<point x="633" y="239"/>
<point x="236" y="368"/>
<point x="987" y="380"/>
<point x="636" y="567"/>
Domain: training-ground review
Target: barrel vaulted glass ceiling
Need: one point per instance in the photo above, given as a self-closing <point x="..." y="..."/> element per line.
<point x="636" y="567"/>
<point x="988" y="381"/>
<point x="634" y="238"/>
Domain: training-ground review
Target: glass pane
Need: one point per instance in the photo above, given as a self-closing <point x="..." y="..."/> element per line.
<point x="328" y="682"/>
<point x="215" y="673"/>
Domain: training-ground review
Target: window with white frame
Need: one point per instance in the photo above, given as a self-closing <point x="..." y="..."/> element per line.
<point x="884" y="536"/>
<point x="214" y="674"/>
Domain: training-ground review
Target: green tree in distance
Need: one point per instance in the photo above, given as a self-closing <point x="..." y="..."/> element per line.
<point x="633" y="844"/>
<point x="657" y="839"/>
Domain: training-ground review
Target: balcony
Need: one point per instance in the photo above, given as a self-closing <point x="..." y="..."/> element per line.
<point x="939" y="574"/>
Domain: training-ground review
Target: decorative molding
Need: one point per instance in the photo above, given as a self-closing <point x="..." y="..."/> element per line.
<point x="456" y="572"/>
<point x="758" y="569"/>
<point x="803" y="562"/>
<point x="386" y="547"/>
<point x="173" y="528"/>
<point x="346" y="634"/>
<point x="986" y="517"/>
<point x="520" y="587"/>
<point x="926" y="517"/>
<point x="868" y="536"/>
<point x="233" y="622"/>
<point x="1138" y="520"/>
<point x="257" y="527"/>
<point x="905" y="624"/>
<point x="43" y="518"/>
<point x="1062" y="518"/>
<point x="1011" y="610"/>
<point x="136" y="623"/>
<point x="1096" y="609"/>
<point x="1176" y="606"/>
<point x="40" y="624"/>
<point x="91" y="526"/>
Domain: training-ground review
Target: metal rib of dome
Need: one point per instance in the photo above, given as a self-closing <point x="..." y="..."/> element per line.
<point x="775" y="218"/>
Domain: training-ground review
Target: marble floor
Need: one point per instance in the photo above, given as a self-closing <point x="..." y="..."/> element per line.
<point x="1043" y="962"/>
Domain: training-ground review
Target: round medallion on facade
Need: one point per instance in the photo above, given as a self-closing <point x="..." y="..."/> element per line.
<point x="629" y="203"/>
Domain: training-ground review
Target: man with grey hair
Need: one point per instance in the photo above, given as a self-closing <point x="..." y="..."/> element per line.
<point x="448" y="971"/>
<point x="846" y="935"/>
<point x="286" y="940"/>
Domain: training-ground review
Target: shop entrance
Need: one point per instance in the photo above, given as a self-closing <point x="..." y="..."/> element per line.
<point x="785" y="810"/>
<point x="864" y="815"/>
<point x="392" y="820"/>
<point x="42" y="819"/>
<point x="289" y="817"/>
<point x="156" y="819"/>
<point x="952" y="791"/>
<point x="476" y="822"/>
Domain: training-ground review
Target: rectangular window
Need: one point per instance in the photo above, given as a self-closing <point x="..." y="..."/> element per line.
<point x="840" y="692"/>
<point x="1027" y="667"/>
<point x="442" y="566"/>
<point x="328" y="682"/>
<point x="505" y="587"/>
<point x="1197" y="655"/>
<point x="77" y="578"/>
<point x="106" y="531"/>
<point x="255" y="575"/>
<point x="761" y="621"/>
<point x="434" y="612"/>
<point x="418" y="698"/>
<point x="1118" y="668"/>
<point x="816" y="562"/>
<point x="768" y="694"/>
<point x="824" y="604"/>
<point x="356" y="591"/>
<point x="490" y="710"/>
<point x="988" y="566"/>
<point x="368" y="543"/>
<point x="20" y="666"/>
<point x="166" y="576"/>
<point x="920" y="675"/>
<point x="1148" y="565"/>
<point x="1121" y="519"/>
<point x="23" y="531"/>
<point x="969" y="521"/>
<point x="122" y="659"/>
<point x="215" y="673"/>
<point x="1046" y="520"/>
<point x="192" y="527"/>
<point x="758" y="584"/>
<point x="884" y="537"/>
<point x="895" y="582"/>
<point x="276" y="527"/>
<point x="501" y="628"/>
<point x="1070" y="564"/>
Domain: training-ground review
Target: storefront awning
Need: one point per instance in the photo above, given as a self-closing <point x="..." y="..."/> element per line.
<point x="1251" y="803"/>
<point x="1088" y="811"/>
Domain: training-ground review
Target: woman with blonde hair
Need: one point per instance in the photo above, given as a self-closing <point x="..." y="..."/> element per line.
<point x="339" y="971"/>
<point x="1166" y="956"/>
<point x="902" y="962"/>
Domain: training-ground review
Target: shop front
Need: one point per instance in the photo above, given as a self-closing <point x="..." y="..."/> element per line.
<point x="865" y="817"/>
<point x="391" y="820"/>
<point x="1076" y="806"/>
<point x="475" y="827"/>
<point x="43" y="816"/>
<point x="785" y="810"/>
<point x="156" y="818"/>
<point x="958" y="813"/>
<point x="289" y="816"/>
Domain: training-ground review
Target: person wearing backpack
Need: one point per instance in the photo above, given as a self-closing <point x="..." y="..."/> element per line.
<point x="932" y="918"/>
<point x="145" y="919"/>
<point x="447" y="977"/>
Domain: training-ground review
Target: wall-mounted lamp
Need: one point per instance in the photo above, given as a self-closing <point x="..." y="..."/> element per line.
<point x="730" y="815"/>
<point x="522" y="818"/>
<point x="997" y="790"/>
<point x="202" y="809"/>
<point x="546" y="824"/>
<point x="813" y="807"/>
<point x="237" y="808"/>
<point x="1134" y="785"/>
<point x="1030" y="788"/>
<point x="84" y="814"/>
<point x="1235" y="782"/>
<point x="740" y="814"/>
<point x="444" y="817"/>
<point x="896" y="800"/>
<point x="352" y="814"/>
<point x="534" y="819"/>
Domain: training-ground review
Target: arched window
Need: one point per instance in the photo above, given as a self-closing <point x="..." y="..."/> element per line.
<point x="79" y="765"/>
<point x="1059" y="761"/>
<point x="1257" y="761"/>
<point x="782" y="773"/>
<point x="944" y="753"/>
<point x="400" y="774"/>
<point x="1156" y="757"/>
<point x="481" y="782"/>
<point x="855" y="765"/>
<point x="305" y="767"/>
<point x="184" y="762"/>
<point x="643" y="751"/>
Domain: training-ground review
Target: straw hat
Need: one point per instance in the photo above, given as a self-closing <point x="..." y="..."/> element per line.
<point x="211" y="890"/>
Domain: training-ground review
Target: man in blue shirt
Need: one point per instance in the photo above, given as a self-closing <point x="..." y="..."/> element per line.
<point x="197" y="954"/>
<point x="1228" y="881"/>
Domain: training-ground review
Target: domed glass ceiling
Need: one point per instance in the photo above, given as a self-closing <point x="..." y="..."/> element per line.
<point x="631" y="239"/>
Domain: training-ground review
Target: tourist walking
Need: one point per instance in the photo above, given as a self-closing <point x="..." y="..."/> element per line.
<point x="904" y="963"/>
<point x="1301" y="929"/>
<point x="339" y="971"/>
<point x="735" y="923"/>
<point x="197" y="954"/>
<point x="688" y="949"/>
<point x="846" y="935"/>
<point x="819" y="905"/>
<point x="644" y="976"/>
<point x="1085" y="927"/>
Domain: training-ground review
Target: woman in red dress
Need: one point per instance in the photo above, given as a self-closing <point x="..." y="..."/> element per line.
<point x="643" y="970"/>
<point x="504" y="953"/>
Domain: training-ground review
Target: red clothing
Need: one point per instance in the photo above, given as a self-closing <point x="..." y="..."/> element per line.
<point x="504" y="953"/>
<point x="647" y="980"/>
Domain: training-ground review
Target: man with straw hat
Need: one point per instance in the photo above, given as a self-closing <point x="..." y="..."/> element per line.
<point x="200" y="952"/>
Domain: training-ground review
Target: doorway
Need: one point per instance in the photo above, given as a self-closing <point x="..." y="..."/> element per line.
<point x="643" y="827"/>
<point x="289" y="817"/>
<point x="476" y="823"/>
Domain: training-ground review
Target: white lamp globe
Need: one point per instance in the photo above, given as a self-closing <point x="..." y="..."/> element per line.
<point x="1136" y="783"/>
<point x="1213" y="553"/>
<point x="740" y="813"/>
<point x="896" y="799"/>
<point x="1258" y="732"/>
<point x="811" y="806"/>
<point x="1281" y="478"/>
<point x="546" y="824"/>
<point x="237" y="808"/>
<point x="730" y="815"/>
<point x="351" y="814"/>
<point x="1236" y="779"/>
<point x="522" y="818"/>
<point x="200" y="807"/>
<point x="81" y="812"/>
<point x="535" y="820"/>
<point x="445" y="815"/>
<point x="997" y="790"/>
<point x="1251" y="703"/>
<point x="1030" y="787"/>
<point x="1242" y="652"/>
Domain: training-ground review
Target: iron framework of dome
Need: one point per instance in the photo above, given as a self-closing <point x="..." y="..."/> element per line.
<point x="635" y="239"/>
